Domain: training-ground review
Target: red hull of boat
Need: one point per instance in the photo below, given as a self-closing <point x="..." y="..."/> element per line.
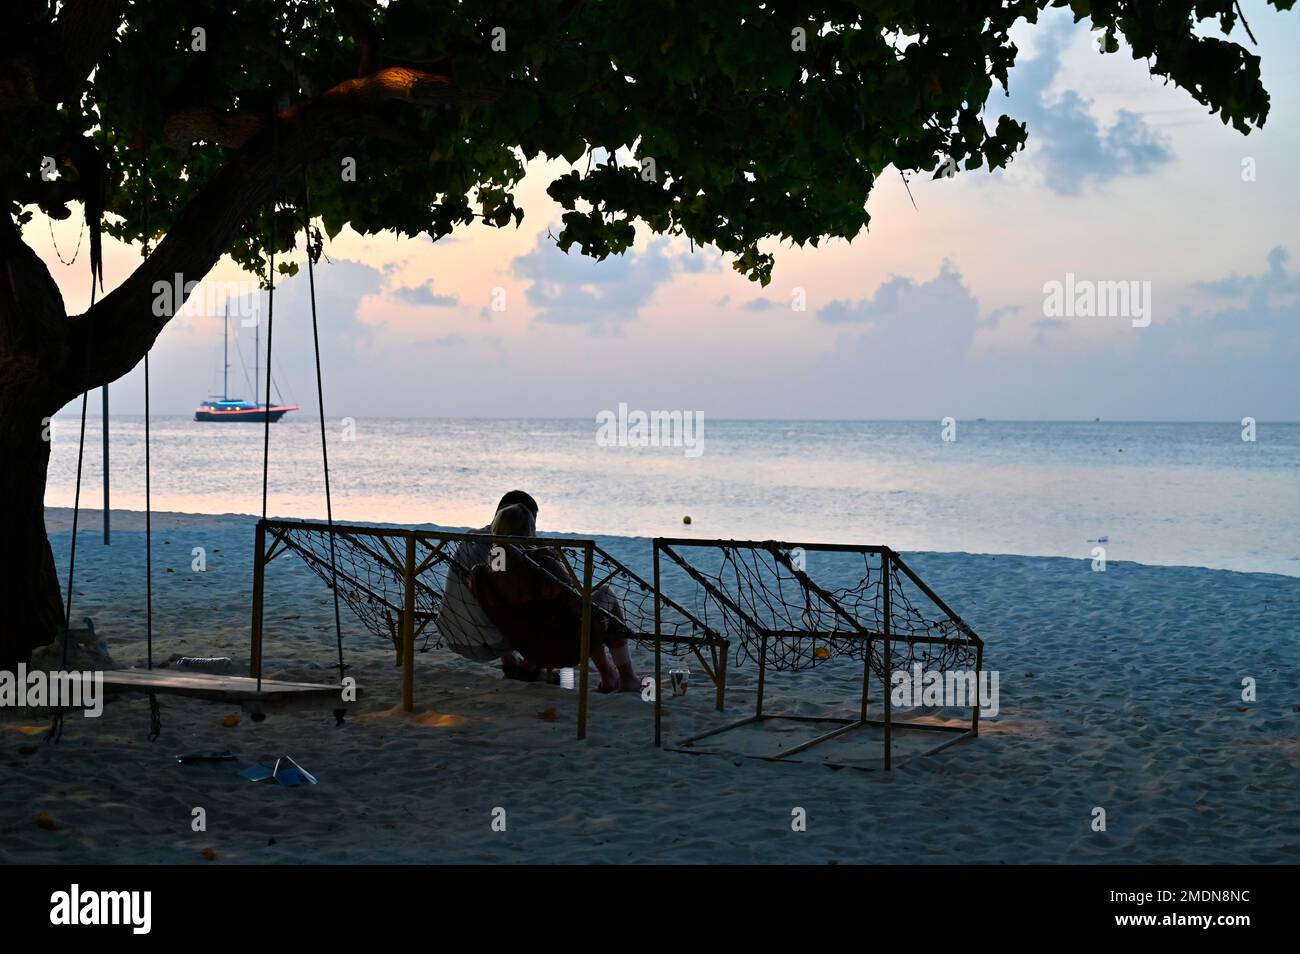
<point x="249" y="415"/>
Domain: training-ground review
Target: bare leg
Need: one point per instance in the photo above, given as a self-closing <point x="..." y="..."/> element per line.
<point x="609" y="674"/>
<point x="628" y="680"/>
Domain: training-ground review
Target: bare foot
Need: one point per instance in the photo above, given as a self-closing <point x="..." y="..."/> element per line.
<point x="629" y="682"/>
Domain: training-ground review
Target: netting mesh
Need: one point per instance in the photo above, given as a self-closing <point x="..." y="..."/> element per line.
<point x="794" y="607"/>
<point x="799" y="607"/>
<point x="680" y="629"/>
<point x="370" y="569"/>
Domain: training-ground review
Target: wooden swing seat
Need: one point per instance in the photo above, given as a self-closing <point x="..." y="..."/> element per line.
<point x="242" y="690"/>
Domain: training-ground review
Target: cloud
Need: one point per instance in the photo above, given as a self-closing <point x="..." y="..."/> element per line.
<point x="447" y="341"/>
<point x="1266" y="308"/>
<point x="906" y="351"/>
<point x="572" y="289"/>
<point x="340" y="287"/>
<point x="423" y="296"/>
<point x="761" y="304"/>
<point x="1276" y="282"/>
<point x="997" y="314"/>
<point x="932" y="321"/>
<point x="1067" y="142"/>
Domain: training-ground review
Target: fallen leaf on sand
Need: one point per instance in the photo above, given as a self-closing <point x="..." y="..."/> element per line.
<point x="46" y="821"/>
<point x="230" y="721"/>
<point x="549" y="714"/>
<point x="431" y="717"/>
<point x="443" y="719"/>
<point x="209" y="854"/>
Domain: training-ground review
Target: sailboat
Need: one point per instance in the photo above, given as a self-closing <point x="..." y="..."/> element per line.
<point x="229" y="409"/>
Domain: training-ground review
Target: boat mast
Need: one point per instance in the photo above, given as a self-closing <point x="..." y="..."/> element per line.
<point x="225" y="355"/>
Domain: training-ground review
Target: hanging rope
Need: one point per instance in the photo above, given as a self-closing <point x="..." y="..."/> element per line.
<point x="55" y="243"/>
<point x="155" y="718"/>
<point x="270" y="328"/>
<point x="155" y="715"/>
<point x="270" y="331"/>
<point x="56" y="725"/>
<point x="148" y="523"/>
<point x="312" y="252"/>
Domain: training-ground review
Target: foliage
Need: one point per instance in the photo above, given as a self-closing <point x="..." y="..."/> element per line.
<point x="751" y="137"/>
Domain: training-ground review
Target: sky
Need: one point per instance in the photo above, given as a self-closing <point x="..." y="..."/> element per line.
<point x="939" y="309"/>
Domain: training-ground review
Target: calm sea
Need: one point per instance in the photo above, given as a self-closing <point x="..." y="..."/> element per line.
<point x="1154" y="493"/>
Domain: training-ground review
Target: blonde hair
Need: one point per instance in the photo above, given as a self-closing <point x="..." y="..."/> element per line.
<point x="515" y="520"/>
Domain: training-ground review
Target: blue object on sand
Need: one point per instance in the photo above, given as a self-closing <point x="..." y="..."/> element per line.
<point x="287" y="772"/>
<point x="256" y="772"/>
<point x="288" y="777"/>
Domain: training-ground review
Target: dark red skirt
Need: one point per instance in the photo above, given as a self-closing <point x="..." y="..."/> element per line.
<point x="540" y="617"/>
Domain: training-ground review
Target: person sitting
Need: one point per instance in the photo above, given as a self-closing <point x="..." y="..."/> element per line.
<point x="526" y="594"/>
<point x="465" y="628"/>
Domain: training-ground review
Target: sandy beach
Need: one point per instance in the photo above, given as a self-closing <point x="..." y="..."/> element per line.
<point x="1120" y="690"/>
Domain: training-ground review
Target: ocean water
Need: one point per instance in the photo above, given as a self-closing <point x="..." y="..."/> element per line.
<point x="1160" y="493"/>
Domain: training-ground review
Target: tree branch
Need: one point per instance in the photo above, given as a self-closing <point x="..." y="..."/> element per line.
<point x="418" y="87"/>
<point x="393" y="83"/>
<point x="186" y="126"/>
<point x="113" y="336"/>
<point x="354" y="17"/>
<point x="60" y="65"/>
<point x="33" y="324"/>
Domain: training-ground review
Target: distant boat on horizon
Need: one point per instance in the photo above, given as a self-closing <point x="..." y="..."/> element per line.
<point x="227" y="409"/>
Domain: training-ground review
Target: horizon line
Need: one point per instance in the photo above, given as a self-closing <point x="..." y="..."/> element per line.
<point x="1236" y="422"/>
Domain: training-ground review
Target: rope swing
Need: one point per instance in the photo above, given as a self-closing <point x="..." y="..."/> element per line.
<point x="312" y="252"/>
<point x="155" y="719"/>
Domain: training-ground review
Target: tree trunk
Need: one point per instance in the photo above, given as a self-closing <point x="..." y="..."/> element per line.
<point x="33" y="340"/>
<point x="31" y="611"/>
<point x="48" y="358"/>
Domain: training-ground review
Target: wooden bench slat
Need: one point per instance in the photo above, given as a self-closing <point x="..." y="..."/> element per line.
<point x="218" y="687"/>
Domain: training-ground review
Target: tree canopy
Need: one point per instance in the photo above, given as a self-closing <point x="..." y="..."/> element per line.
<point x="728" y="122"/>
<point x="202" y="128"/>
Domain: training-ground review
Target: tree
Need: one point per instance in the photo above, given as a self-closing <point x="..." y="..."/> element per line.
<point x="200" y="129"/>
